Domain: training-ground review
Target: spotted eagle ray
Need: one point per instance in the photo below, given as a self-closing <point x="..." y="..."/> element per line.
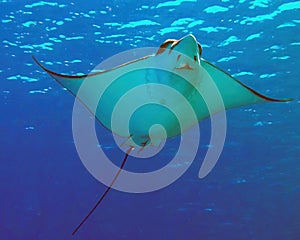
<point x="177" y="64"/>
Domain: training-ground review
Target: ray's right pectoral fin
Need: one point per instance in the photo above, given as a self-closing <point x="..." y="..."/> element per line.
<point x="233" y="92"/>
<point x="71" y="83"/>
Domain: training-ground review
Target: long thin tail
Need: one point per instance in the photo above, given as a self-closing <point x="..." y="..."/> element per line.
<point x="104" y="194"/>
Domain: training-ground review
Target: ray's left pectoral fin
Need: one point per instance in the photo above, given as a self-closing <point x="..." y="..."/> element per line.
<point x="233" y="92"/>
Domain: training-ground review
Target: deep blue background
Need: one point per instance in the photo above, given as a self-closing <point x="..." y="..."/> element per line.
<point x="252" y="193"/>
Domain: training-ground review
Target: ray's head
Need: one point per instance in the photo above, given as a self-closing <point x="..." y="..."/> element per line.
<point x="186" y="46"/>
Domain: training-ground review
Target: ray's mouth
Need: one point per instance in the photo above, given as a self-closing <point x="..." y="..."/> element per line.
<point x="185" y="66"/>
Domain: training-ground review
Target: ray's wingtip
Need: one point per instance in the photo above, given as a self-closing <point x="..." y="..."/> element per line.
<point x="269" y="99"/>
<point x="286" y="100"/>
<point x="42" y="66"/>
<point x="37" y="61"/>
<point x="34" y="58"/>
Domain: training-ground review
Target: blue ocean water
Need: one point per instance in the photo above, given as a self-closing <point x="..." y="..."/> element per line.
<point x="254" y="190"/>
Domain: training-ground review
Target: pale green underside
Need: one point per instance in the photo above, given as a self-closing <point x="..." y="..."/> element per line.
<point x="161" y="92"/>
<point x="232" y="92"/>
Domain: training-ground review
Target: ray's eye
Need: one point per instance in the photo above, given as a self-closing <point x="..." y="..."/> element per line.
<point x="178" y="57"/>
<point x="163" y="46"/>
<point x="200" y="49"/>
<point x="195" y="58"/>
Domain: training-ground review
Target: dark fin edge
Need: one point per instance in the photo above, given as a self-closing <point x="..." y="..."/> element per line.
<point x="62" y="75"/>
<point x="250" y="89"/>
<point x="85" y="75"/>
<point x="53" y="74"/>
